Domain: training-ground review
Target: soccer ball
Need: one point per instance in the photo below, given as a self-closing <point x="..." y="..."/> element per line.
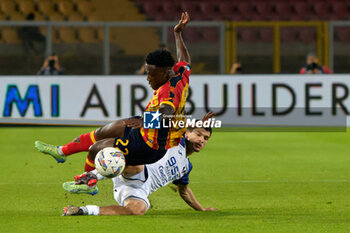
<point x="110" y="162"/>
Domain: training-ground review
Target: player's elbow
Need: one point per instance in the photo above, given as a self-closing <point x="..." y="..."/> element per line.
<point x="185" y="59"/>
<point x="183" y="191"/>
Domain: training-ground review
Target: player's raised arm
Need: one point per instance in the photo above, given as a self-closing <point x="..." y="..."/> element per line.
<point x="187" y="195"/>
<point x="181" y="50"/>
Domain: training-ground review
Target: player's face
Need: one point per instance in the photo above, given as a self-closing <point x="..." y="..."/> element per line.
<point x="156" y="76"/>
<point x="198" y="138"/>
<point x="312" y="59"/>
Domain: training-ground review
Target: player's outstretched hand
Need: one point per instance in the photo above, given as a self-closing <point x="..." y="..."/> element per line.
<point x="185" y="18"/>
<point x="210" y="209"/>
<point x="133" y="123"/>
<point x="208" y="116"/>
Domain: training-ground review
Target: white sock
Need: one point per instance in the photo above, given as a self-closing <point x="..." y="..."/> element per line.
<point x="93" y="210"/>
<point x="85" y="210"/>
<point x="99" y="176"/>
<point x="59" y="149"/>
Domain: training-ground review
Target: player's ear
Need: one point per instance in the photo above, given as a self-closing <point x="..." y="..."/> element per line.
<point x="166" y="72"/>
<point x="171" y="72"/>
<point x="187" y="134"/>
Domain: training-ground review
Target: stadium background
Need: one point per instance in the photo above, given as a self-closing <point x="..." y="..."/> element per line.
<point x="266" y="36"/>
<point x="268" y="182"/>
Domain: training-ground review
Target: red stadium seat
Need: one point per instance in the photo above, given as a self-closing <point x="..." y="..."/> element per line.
<point x="341" y="9"/>
<point x="247" y="35"/>
<point x="235" y="17"/>
<point x="188" y="6"/>
<point x="191" y="34"/>
<point x="342" y="34"/>
<point x="296" y="17"/>
<point x="163" y="17"/>
<point x="170" y="35"/>
<point x="302" y="8"/>
<point x="218" y="17"/>
<point x="289" y="35"/>
<point x="199" y="16"/>
<point x="169" y="7"/>
<point x="207" y="7"/>
<point x="266" y="35"/>
<point x="307" y="35"/>
<point x="151" y="8"/>
<point x="210" y="34"/>
<point x="258" y="17"/>
<point x="264" y="8"/>
<point x="336" y="17"/>
<point x="283" y="9"/>
<point x="277" y="17"/>
<point x="226" y="8"/>
<point x="322" y="8"/>
<point x="246" y="10"/>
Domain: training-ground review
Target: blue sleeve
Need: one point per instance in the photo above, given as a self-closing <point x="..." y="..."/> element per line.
<point x="185" y="179"/>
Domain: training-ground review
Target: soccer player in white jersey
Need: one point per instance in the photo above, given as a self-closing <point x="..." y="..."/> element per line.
<point x="131" y="190"/>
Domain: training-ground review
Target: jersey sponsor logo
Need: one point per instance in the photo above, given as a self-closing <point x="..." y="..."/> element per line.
<point x="151" y="120"/>
<point x="162" y="175"/>
<point x="172" y="170"/>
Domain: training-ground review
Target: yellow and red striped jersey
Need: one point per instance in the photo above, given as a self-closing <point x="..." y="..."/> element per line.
<point x="174" y="92"/>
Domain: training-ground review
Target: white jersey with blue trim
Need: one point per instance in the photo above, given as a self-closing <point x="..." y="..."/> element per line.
<point x="173" y="166"/>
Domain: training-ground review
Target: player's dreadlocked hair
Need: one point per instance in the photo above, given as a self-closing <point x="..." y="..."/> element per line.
<point x="160" y="58"/>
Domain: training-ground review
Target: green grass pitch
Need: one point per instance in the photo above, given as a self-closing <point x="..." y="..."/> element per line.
<point x="261" y="182"/>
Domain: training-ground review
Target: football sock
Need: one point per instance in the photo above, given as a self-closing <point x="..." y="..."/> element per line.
<point x="81" y="143"/>
<point x="92" y="209"/>
<point x="84" y="209"/>
<point x="89" y="165"/>
<point x="98" y="175"/>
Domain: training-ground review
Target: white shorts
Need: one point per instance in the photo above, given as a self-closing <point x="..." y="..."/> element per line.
<point x="126" y="189"/>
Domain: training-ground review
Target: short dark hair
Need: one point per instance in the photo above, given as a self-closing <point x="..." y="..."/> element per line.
<point x="209" y="129"/>
<point x="160" y="58"/>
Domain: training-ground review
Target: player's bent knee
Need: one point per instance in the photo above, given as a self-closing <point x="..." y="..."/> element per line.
<point x="111" y="130"/>
<point x="99" y="145"/>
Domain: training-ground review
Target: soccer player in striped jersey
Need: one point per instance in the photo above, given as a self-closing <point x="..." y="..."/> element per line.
<point x="131" y="190"/>
<point x="142" y="146"/>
